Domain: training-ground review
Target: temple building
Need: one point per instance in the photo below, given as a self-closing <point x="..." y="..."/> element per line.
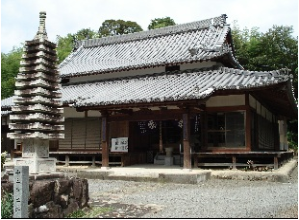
<point x="175" y="96"/>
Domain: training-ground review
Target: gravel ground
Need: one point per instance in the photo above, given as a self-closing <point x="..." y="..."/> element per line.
<point x="210" y="199"/>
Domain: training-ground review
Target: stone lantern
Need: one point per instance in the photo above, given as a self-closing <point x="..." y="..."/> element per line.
<point x="36" y="115"/>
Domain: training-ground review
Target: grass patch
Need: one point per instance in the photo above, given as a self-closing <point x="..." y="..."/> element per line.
<point x="76" y="214"/>
<point x="93" y="212"/>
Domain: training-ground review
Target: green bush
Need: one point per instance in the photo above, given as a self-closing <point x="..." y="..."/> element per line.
<point x="7" y="205"/>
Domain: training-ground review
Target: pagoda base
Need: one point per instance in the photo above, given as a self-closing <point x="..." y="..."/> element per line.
<point x="35" y="154"/>
<point x="38" y="165"/>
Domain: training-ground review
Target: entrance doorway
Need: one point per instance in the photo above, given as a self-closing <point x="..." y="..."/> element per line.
<point x="146" y="136"/>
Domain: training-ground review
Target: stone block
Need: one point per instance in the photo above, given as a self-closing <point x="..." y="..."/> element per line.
<point x="42" y="192"/>
<point x="168" y="161"/>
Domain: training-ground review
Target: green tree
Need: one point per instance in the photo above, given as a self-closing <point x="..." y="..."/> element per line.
<point x="64" y="47"/>
<point x="275" y="49"/>
<point x="117" y="27"/>
<point x="161" y="22"/>
<point x="66" y="44"/>
<point x="10" y="64"/>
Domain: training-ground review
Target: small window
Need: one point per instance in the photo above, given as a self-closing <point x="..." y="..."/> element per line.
<point x="172" y="68"/>
<point x="226" y="129"/>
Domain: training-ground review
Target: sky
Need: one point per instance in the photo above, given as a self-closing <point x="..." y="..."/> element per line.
<point x="20" y="18"/>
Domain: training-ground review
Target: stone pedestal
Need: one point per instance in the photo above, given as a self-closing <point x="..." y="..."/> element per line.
<point x="168" y="151"/>
<point x="35" y="154"/>
<point x="168" y="161"/>
<point x="169" y="157"/>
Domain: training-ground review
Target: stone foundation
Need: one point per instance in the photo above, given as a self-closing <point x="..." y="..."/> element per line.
<point x="54" y="198"/>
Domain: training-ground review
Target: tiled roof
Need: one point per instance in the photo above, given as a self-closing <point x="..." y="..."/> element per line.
<point x="175" y="86"/>
<point x="170" y="86"/>
<point x="191" y="42"/>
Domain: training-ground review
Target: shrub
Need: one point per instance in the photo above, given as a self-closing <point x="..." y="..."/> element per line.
<point x="7" y="205"/>
<point x="76" y="214"/>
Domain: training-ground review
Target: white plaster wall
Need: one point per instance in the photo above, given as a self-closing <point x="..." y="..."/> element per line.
<point x="93" y="113"/>
<point x="199" y="65"/>
<point x="139" y="72"/>
<point x="230" y="100"/>
<point x="72" y="113"/>
<point x="252" y="102"/>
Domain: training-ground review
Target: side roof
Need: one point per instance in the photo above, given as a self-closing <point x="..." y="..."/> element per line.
<point x="192" y="42"/>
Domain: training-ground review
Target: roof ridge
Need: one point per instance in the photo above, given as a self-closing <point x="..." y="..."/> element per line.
<point x="174" y="29"/>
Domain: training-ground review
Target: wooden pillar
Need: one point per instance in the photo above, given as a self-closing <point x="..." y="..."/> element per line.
<point x="105" y="147"/>
<point x="195" y="160"/>
<point x="93" y="164"/>
<point x="160" y="138"/>
<point x="275" y="162"/>
<point x="234" y="161"/>
<point x="186" y="141"/>
<point x="67" y="160"/>
<point x="248" y="123"/>
<point x="85" y="129"/>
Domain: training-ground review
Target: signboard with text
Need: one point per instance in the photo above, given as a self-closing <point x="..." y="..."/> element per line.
<point x="120" y="144"/>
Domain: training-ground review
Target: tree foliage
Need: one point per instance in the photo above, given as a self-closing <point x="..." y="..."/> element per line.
<point x="275" y="49"/>
<point x="65" y="44"/>
<point x="161" y="22"/>
<point x="118" y="27"/>
<point x="10" y="64"/>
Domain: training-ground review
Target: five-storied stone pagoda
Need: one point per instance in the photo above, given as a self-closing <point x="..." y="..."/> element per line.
<point x="36" y="116"/>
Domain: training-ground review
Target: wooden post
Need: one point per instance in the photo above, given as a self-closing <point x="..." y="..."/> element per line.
<point x="67" y="160"/>
<point x="93" y="161"/>
<point x="234" y="161"/>
<point x="275" y="162"/>
<point x="248" y="123"/>
<point x="195" y="160"/>
<point x="186" y="143"/>
<point x="160" y="138"/>
<point x="105" y="149"/>
<point x="85" y="128"/>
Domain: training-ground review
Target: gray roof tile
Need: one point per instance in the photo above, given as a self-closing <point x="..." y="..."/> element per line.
<point x="156" y="47"/>
<point x="170" y="86"/>
<point x="166" y="87"/>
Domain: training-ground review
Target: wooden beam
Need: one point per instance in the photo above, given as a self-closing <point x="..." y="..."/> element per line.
<point x="226" y="108"/>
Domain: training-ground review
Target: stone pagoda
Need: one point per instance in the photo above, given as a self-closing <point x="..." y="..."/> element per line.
<point x="36" y="115"/>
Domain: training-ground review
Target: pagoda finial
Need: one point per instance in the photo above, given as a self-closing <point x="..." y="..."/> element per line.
<point x="41" y="33"/>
